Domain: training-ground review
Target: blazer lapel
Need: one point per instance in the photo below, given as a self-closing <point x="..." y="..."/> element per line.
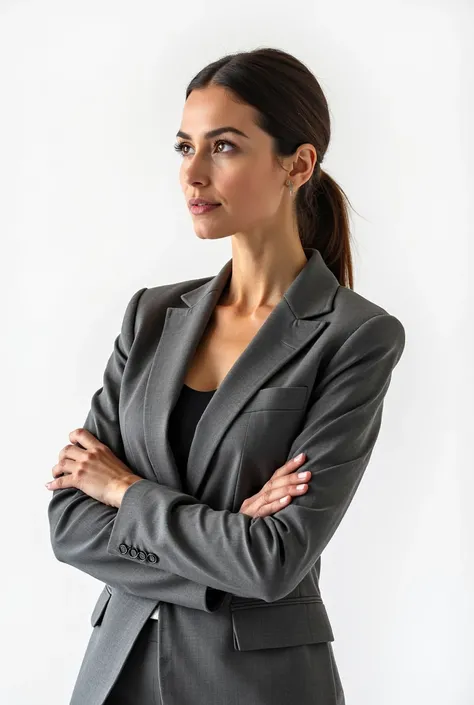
<point x="278" y="340"/>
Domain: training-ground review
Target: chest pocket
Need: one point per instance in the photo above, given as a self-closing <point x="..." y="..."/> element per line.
<point x="301" y="620"/>
<point x="276" y="415"/>
<point x="278" y="399"/>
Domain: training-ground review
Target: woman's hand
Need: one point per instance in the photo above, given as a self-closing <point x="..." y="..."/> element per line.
<point x="285" y="483"/>
<point x="92" y="468"/>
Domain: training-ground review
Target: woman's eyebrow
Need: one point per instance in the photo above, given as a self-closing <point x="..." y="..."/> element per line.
<point x="213" y="133"/>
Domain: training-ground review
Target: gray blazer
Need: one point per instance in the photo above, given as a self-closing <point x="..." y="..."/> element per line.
<point x="241" y="615"/>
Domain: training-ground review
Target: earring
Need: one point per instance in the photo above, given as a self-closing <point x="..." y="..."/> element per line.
<point x="289" y="183"/>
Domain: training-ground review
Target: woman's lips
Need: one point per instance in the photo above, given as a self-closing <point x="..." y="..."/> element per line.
<point x="202" y="209"/>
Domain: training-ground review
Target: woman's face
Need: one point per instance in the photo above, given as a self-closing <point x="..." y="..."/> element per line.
<point x="239" y="171"/>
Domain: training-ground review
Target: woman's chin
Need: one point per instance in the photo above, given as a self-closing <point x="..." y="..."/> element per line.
<point x="211" y="233"/>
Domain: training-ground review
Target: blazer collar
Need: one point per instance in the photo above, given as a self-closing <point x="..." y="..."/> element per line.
<point x="296" y="321"/>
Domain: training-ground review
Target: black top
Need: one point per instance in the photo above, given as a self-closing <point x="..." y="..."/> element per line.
<point x="183" y="421"/>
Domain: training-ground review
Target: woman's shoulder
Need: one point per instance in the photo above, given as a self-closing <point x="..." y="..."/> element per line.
<point x="350" y="305"/>
<point x="352" y="310"/>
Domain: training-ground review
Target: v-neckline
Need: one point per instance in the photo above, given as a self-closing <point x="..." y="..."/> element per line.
<point x="199" y="391"/>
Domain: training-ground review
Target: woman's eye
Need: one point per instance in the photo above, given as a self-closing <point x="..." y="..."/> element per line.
<point x="182" y="146"/>
<point x="224" y="142"/>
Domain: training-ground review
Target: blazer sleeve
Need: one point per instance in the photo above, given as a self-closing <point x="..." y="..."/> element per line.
<point x="81" y="527"/>
<point x="267" y="557"/>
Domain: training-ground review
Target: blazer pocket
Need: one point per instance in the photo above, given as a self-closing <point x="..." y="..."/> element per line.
<point x="100" y="605"/>
<point x="277" y="625"/>
<point x="275" y="398"/>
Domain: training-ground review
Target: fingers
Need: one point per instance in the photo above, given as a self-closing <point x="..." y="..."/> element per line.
<point x="284" y="481"/>
<point x="268" y="508"/>
<point x="65" y="465"/>
<point x="71" y="451"/>
<point x="62" y="471"/>
<point x="85" y="438"/>
<point x="275" y="484"/>
<point x="271" y="500"/>
<point x="287" y="487"/>
<point x="290" y="466"/>
<point x="60" y="482"/>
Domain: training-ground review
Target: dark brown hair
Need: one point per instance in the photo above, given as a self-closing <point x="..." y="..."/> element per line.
<point x="293" y="111"/>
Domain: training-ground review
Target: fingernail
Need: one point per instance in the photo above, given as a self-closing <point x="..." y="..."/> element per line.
<point x="299" y="457"/>
<point x="47" y="484"/>
<point x="285" y="499"/>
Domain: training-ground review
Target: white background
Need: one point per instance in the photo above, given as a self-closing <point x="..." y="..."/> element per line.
<point x="91" y="210"/>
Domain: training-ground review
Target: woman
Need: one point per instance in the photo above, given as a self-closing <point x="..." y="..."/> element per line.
<point x="182" y="492"/>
